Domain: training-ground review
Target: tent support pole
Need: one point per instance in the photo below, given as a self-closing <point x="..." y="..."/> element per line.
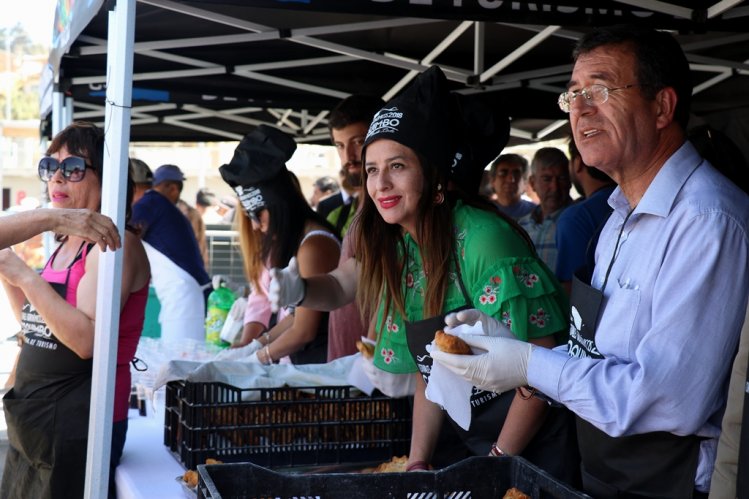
<point x="114" y="188"/>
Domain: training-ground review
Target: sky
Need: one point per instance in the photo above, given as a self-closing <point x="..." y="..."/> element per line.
<point x="36" y="17"/>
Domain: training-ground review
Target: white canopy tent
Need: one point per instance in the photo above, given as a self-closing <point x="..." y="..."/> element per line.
<point x="230" y="117"/>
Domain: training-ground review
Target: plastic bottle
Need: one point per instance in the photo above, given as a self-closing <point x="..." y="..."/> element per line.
<point x="219" y="303"/>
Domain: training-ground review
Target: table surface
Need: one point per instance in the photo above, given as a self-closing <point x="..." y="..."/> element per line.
<point x="147" y="469"/>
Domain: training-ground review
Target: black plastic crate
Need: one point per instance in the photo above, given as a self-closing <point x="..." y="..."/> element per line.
<point x="475" y="478"/>
<point x="283" y="427"/>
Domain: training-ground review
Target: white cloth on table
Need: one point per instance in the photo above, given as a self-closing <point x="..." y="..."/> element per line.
<point x="243" y="374"/>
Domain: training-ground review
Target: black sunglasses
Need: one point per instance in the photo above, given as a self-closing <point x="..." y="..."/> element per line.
<point x="73" y="168"/>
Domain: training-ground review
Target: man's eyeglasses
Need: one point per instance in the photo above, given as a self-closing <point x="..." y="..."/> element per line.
<point x="594" y="95"/>
<point x="72" y="168"/>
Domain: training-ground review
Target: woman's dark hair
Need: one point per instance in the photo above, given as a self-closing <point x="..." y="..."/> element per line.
<point x="86" y="140"/>
<point x="289" y="212"/>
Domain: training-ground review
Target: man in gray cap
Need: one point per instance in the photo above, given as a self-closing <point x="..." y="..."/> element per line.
<point x="178" y="271"/>
<point x="142" y="178"/>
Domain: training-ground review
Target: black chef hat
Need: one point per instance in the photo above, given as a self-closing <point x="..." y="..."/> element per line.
<point x="455" y="133"/>
<point x="257" y="171"/>
<point x="418" y="118"/>
<point x="261" y="155"/>
<point x="480" y="135"/>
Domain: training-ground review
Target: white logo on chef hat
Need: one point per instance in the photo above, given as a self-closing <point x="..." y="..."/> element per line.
<point x="250" y="197"/>
<point x="385" y="121"/>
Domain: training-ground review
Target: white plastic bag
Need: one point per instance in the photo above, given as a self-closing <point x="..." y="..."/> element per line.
<point x="234" y="320"/>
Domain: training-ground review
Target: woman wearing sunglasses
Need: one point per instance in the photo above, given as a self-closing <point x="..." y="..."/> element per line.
<point x="276" y="224"/>
<point x="47" y="408"/>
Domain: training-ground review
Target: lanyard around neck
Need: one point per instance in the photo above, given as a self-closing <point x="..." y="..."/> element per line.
<point x="616" y="250"/>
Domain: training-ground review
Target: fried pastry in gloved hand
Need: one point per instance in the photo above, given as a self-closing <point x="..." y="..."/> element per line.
<point x="502" y="367"/>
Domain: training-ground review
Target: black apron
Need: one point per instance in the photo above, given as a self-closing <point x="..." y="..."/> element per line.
<point x="656" y="464"/>
<point x="47" y="414"/>
<point x="553" y="447"/>
<point x="316" y="351"/>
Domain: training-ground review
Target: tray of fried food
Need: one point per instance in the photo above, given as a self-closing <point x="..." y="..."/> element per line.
<point x="189" y="479"/>
<point x="515" y="493"/>
<point x="397" y="464"/>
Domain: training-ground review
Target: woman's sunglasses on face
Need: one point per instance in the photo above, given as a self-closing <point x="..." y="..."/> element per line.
<point x="72" y="168"/>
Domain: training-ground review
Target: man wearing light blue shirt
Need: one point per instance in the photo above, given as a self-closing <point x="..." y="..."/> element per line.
<point x="652" y="336"/>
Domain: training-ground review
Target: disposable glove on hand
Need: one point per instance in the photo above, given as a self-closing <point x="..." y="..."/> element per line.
<point x="392" y="385"/>
<point x="286" y="286"/>
<point x="503" y="367"/>
<point x="490" y="325"/>
<point x="240" y="353"/>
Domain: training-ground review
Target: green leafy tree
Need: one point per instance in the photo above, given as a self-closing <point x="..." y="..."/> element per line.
<point x="20" y="42"/>
<point x="15" y="43"/>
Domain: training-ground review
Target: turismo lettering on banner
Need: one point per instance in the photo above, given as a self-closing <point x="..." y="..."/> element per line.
<point x="572" y="11"/>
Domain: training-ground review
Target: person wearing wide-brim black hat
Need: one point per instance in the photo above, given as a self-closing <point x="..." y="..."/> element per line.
<point x="276" y="224"/>
<point x="426" y="246"/>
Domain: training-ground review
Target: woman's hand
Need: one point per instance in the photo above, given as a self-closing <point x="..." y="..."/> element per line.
<point x="243" y="352"/>
<point x="286" y="286"/>
<point x="89" y="225"/>
<point x="13" y="269"/>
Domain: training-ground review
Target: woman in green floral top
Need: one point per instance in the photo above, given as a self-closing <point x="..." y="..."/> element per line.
<point x="423" y="251"/>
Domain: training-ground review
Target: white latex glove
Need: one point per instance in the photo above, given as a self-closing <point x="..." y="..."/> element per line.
<point x="253" y="358"/>
<point x="503" y="367"/>
<point x="286" y="286"/>
<point x="216" y="281"/>
<point x="490" y="325"/>
<point x="240" y="353"/>
<point x="392" y="385"/>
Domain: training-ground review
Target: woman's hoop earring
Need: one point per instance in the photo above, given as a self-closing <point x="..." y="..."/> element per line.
<point x="439" y="198"/>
